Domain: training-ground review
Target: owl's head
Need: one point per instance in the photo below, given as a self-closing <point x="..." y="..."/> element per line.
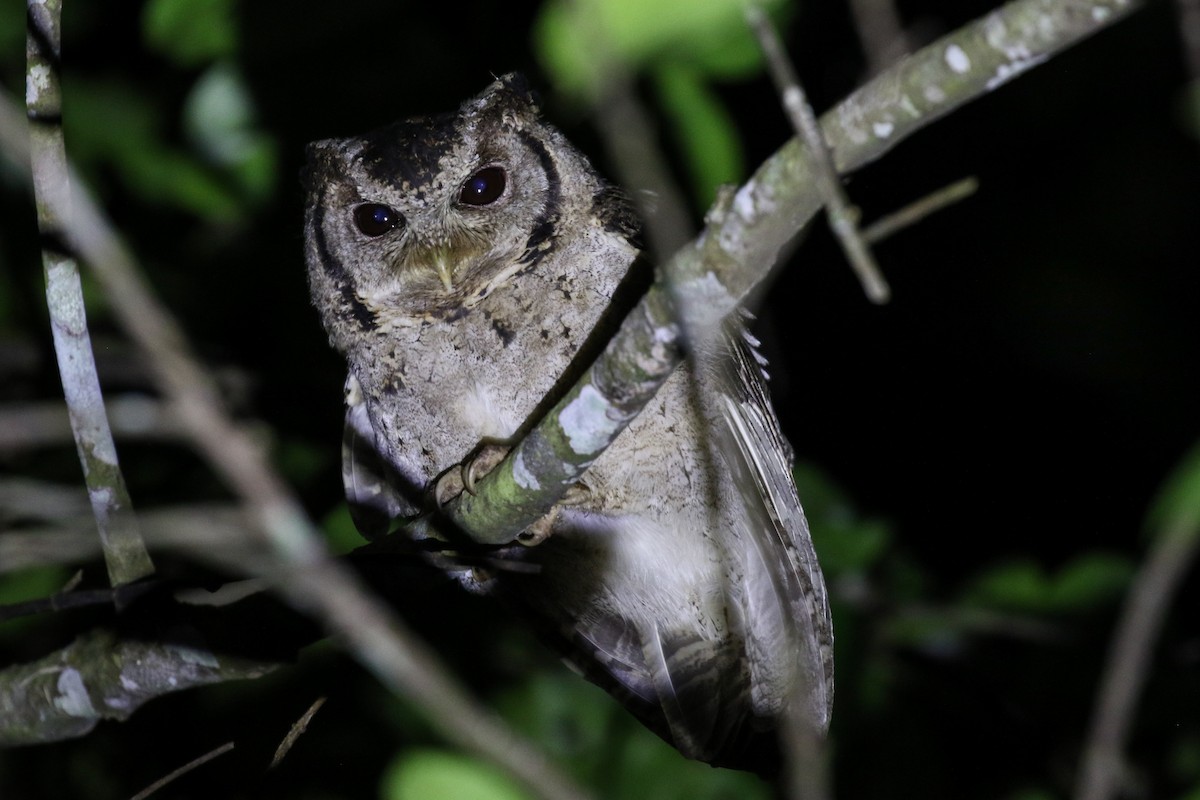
<point x="424" y="218"/>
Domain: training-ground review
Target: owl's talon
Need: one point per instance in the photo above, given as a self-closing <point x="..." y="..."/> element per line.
<point x="576" y="495"/>
<point x="463" y="477"/>
<point x="447" y="487"/>
<point x="539" y="531"/>
<point x="484" y="462"/>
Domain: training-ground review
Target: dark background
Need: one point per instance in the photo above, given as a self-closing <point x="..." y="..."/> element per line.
<point x="1019" y="402"/>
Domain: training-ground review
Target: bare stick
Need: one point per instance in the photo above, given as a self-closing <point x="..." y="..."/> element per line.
<point x="629" y="135"/>
<point x="125" y="554"/>
<point x="185" y="769"/>
<point x="877" y="23"/>
<point x="297" y="730"/>
<point x="916" y="211"/>
<point x="843" y="217"/>
<point x="25" y="426"/>
<point x="1189" y="31"/>
<point x="1129" y="657"/>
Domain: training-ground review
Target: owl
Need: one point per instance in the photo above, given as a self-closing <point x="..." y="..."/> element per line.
<point x="469" y="266"/>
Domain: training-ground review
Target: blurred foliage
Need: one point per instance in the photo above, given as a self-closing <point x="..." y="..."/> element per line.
<point x="440" y="775"/>
<point x="1176" y="510"/>
<point x="987" y="445"/>
<point x="191" y="32"/>
<point x="681" y="46"/>
<point x="1088" y="581"/>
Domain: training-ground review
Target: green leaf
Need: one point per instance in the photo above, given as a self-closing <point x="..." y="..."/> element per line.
<point x="1089" y="580"/>
<point x="12" y="27"/>
<point x="705" y="131"/>
<point x="1177" y="508"/>
<point x="567" y="716"/>
<point x="191" y="32"/>
<point x="28" y="584"/>
<point x="444" y="775"/>
<point x="648" y="767"/>
<point x="219" y="118"/>
<point x="577" y="42"/>
<point x="845" y="542"/>
<point x="107" y="123"/>
<point x="340" y="532"/>
<point x="1032" y="794"/>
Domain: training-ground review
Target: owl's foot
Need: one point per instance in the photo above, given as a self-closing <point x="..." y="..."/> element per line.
<point x="462" y="478"/>
<point x="539" y="531"/>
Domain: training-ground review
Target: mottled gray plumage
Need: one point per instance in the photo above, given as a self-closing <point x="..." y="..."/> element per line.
<point x="466" y="266"/>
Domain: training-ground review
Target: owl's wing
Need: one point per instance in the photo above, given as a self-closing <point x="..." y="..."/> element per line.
<point x="782" y="596"/>
<point x="369" y="482"/>
<point x="721" y="704"/>
<point x="687" y="689"/>
<point x="719" y="701"/>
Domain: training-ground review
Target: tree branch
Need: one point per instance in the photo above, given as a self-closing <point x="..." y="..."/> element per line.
<point x="125" y="554"/>
<point x="843" y="215"/>
<point x="1154" y="586"/>
<point x="102" y="676"/>
<point x="746" y="230"/>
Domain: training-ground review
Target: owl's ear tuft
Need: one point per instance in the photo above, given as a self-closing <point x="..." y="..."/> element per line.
<point x="518" y="86"/>
<point x="318" y="161"/>
<point x="510" y="95"/>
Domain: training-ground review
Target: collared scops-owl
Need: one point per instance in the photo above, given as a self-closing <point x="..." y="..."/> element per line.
<point x="468" y="266"/>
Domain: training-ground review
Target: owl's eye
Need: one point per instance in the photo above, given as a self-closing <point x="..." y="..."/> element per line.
<point x="376" y="219"/>
<point x="483" y="187"/>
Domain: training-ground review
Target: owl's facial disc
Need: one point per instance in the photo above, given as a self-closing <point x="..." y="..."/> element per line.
<point x="452" y="241"/>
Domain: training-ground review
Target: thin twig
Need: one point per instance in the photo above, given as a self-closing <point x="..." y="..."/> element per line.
<point x="843" y="217"/>
<point x="1189" y="31"/>
<point x="125" y="554"/>
<point x="880" y="32"/>
<point x="629" y="134"/>
<point x="297" y="730"/>
<point x="807" y="766"/>
<point x="25" y="426"/>
<point x="185" y="769"/>
<point x="28" y="500"/>
<point x="1128" y="662"/>
<point x="916" y="211"/>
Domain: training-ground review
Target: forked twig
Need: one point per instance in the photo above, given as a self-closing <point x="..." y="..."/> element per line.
<point x="917" y="210"/>
<point x="843" y="216"/>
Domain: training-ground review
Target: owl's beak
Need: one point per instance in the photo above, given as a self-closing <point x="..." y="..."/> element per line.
<point x="445" y="270"/>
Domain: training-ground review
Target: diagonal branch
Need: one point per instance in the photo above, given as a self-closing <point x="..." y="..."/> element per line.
<point x="307" y="576"/>
<point x="124" y="552"/>
<point x="843" y="215"/>
<point x="746" y="230"/>
<point x="1171" y="556"/>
